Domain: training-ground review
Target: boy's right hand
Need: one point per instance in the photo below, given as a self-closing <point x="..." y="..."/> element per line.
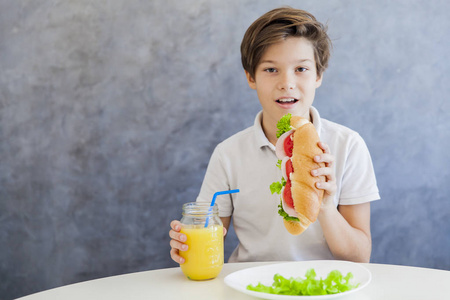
<point x="177" y="241"/>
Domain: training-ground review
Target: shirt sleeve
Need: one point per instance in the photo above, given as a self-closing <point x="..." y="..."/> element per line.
<point x="359" y="184"/>
<point x="217" y="179"/>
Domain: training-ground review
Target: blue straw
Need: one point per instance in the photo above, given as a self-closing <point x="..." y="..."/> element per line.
<point x="214" y="201"/>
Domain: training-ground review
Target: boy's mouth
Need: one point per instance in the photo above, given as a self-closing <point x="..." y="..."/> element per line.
<point x="286" y="100"/>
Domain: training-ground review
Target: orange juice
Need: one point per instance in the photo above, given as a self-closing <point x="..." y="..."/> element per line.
<point x="204" y="257"/>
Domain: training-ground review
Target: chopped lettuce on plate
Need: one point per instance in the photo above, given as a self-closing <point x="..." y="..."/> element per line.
<point x="334" y="283"/>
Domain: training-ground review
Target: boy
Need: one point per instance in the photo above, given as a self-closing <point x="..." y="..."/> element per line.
<point x="284" y="54"/>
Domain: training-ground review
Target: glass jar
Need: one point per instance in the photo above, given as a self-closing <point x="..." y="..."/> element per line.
<point x="204" y="257"/>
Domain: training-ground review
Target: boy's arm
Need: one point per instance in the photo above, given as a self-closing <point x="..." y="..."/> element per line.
<point x="346" y="228"/>
<point x="347" y="231"/>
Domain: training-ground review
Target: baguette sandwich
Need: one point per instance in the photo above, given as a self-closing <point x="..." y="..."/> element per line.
<point x="300" y="198"/>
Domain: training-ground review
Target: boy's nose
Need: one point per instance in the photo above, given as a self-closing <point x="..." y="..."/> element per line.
<point x="286" y="82"/>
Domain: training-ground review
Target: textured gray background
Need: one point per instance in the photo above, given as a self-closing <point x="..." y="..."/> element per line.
<point x="109" y="111"/>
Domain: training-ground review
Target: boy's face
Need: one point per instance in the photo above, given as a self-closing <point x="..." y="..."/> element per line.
<point x="286" y="79"/>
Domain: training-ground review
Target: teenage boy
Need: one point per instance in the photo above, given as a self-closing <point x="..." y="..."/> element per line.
<point x="284" y="54"/>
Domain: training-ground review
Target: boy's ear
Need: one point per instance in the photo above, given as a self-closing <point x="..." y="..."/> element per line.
<point x="250" y="80"/>
<point x="319" y="80"/>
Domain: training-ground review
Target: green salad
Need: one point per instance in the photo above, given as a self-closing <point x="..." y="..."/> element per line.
<point x="334" y="283"/>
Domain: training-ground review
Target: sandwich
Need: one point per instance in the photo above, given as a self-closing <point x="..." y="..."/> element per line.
<point x="296" y="148"/>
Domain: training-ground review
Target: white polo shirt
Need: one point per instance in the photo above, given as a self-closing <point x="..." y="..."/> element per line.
<point x="247" y="161"/>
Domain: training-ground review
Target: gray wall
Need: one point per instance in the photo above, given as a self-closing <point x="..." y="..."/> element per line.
<point x="109" y="111"/>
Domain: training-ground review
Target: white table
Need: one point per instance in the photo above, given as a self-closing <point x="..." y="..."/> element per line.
<point x="388" y="282"/>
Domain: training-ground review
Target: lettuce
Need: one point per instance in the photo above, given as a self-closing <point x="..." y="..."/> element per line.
<point x="284" y="124"/>
<point x="276" y="187"/>
<point x="284" y="214"/>
<point x="279" y="162"/>
<point x="334" y="283"/>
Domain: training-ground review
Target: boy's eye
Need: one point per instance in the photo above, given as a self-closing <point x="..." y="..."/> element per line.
<point x="270" y="70"/>
<point x="301" y="69"/>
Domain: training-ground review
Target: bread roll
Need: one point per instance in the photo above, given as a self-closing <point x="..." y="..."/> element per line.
<point x="294" y="227"/>
<point x="307" y="198"/>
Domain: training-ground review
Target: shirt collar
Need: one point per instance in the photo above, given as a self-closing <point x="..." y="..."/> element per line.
<point x="261" y="139"/>
<point x="315" y="119"/>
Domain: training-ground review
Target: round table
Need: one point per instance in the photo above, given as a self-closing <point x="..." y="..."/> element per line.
<point x="388" y="282"/>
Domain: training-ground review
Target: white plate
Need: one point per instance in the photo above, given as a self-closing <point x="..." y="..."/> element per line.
<point x="264" y="274"/>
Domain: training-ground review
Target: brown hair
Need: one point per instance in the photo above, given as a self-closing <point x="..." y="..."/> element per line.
<point x="279" y="24"/>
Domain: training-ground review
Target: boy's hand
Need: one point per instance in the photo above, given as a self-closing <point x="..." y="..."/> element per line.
<point x="329" y="186"/>
<point x="177" y="242"/>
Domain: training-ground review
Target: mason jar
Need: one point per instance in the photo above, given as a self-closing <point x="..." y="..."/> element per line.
<point x="204" y="231"/>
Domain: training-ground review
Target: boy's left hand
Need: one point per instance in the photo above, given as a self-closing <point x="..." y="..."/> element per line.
<point x="329" y="186"/>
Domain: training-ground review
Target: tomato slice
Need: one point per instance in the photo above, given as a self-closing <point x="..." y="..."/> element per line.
<point x="289" y="145"/>
<point x="289" y="168"/>
<point x="287" y="195"/>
